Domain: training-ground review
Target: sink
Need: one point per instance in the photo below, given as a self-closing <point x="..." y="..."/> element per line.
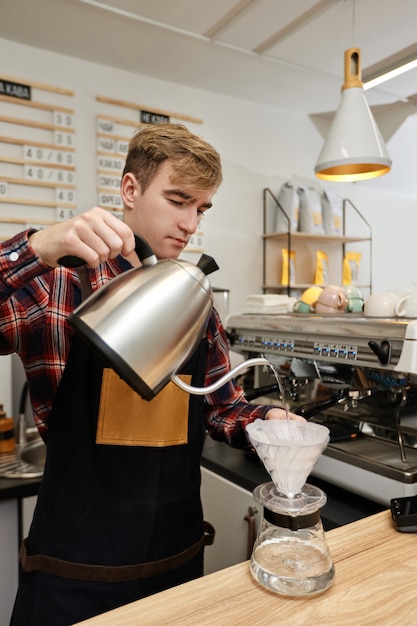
<point x="34" y="453"/>
<point x="27" y="461"/>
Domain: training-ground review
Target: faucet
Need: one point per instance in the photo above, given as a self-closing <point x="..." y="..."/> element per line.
<point x="22" y="426"/>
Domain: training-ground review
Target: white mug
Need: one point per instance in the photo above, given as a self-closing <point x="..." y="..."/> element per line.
<point x="407" y="306"/>
<point x="381" y="304"/>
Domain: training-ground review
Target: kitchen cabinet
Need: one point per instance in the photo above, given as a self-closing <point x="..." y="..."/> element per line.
<point x="15" y="519"/>
<point x="28" y="507"/>
<point x="17" y="501"/>
<point x="9" y="548"/>
<point x="234" y="514"/>
<point x="305" y="247"/>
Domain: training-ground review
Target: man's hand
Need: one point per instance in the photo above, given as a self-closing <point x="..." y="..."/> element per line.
<point x="281" y="414"/>
<point x="94" y="236"/>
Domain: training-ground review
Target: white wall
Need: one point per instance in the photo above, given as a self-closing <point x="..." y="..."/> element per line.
<point x="260" y="146"/>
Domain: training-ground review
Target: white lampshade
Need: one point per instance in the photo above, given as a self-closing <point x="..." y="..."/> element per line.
<point x="354" y="148"/>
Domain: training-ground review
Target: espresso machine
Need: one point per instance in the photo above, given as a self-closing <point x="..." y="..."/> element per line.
<point x="355" y="375"/>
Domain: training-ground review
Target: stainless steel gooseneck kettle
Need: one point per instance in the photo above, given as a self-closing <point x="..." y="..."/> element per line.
<point x="147" y="321"/>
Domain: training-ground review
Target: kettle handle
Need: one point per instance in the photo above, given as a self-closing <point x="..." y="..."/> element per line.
<point x="70" y="261"/>
<point x="142" y="249"/>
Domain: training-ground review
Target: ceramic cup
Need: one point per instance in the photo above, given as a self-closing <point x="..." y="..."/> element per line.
<point x="311" y="295"/>
<point x="355" y="300"/>
<point x="332" y="299"/>
<point x="381" y="304"/>
<point x="308" y="300"/>
<point x="302" y="307"/>
<point x="323" y="309"/>
<point x="407" y="306"/>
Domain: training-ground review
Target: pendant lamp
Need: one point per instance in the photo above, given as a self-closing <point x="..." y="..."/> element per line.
<point x="354" y="149"/>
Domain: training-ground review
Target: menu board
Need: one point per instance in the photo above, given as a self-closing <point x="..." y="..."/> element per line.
<point x="37" y="155"/>
<point x="114" y="132"/>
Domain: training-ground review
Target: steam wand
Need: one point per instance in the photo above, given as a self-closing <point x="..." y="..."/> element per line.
<point x="398" y="423"/>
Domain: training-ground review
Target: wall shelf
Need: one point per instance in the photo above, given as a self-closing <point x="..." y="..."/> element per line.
<point x="315" y="238"/>
<point x="306" y="245"/>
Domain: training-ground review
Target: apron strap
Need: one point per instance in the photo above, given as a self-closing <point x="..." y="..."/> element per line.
<point x="118" y="573"/>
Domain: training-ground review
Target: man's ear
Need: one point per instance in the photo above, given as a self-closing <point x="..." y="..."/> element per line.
<point x="129" y="189"/>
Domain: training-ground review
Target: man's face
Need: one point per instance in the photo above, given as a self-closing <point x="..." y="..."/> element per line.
<point x="167" y="214"/>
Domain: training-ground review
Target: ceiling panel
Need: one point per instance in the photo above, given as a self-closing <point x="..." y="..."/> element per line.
<point x="189" y="15"/>
<point x="261" y="20"/>
<point x="320" y="44"/>
<point x="167" y="39"/>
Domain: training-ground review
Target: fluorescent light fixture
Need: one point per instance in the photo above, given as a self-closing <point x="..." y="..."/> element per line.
<point x="389" y="74"/>
<point x="354" y="148"/>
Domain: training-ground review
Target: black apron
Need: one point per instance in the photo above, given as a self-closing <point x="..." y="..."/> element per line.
<point x="112" y="500"/>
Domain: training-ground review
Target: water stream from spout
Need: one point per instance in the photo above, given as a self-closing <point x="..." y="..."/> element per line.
<point x="281" y="389"/>
<point x="201" y="391"/>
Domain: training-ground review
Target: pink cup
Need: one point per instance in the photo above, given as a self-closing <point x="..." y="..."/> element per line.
<point x="332" y="299"/>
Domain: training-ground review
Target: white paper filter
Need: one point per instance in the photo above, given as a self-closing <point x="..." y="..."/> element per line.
<point x="288" y="449"/>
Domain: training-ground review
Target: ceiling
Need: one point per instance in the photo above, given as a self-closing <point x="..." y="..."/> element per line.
<point x="281" y="53"/>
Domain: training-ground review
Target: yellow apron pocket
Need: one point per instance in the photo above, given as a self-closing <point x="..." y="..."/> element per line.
<point x="125" y="419"/>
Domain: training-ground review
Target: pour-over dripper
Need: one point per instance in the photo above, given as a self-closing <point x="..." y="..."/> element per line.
<point x="290" y="554"/>
<point x="289" y="450"/>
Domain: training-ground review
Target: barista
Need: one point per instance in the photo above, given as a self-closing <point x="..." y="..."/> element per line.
<point x="119" y="514"/>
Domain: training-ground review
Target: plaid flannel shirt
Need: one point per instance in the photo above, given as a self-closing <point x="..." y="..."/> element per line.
<point x="35" y="301"/>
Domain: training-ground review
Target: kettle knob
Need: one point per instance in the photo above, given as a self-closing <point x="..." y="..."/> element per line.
<point x="207" y="264"/>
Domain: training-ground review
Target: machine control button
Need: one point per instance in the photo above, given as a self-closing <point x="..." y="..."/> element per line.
<point x="343" y="352"/>
<point x="352" y="352"/>
<point x="334" y="351"/>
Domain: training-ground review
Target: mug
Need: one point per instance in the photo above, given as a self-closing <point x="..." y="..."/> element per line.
<point x="308" y="300"/>
<point x="355" y="305"/>
<point x="407" y="306"/>
<point x="332" y="299"/>
<point x="303" y="307"/>
<point x="311" y="295"/>
<point x="355" y="300"/>
<point x="381" y="304"/>
<point x="324" y="309"/>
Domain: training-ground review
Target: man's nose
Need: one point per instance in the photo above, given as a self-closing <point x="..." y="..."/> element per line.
<point x="189" y="221"/>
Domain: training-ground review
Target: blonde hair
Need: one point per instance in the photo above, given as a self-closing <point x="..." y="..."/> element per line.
<point x="195" y="162"/>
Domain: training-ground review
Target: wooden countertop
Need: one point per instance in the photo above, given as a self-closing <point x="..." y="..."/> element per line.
<point x="375" y="583"/>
